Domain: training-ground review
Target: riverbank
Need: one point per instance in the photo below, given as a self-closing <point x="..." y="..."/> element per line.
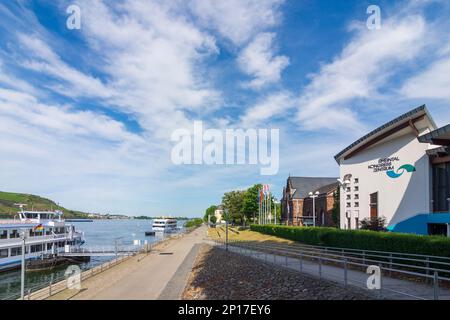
<point x="144" y="276"/>
<point x="221" y="275"/>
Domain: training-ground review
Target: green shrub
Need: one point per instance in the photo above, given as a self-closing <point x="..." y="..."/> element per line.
<point x="196" y="222"/>
<point x="361" y="239"/>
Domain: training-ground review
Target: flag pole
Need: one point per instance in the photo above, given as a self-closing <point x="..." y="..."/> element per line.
<point x="259" y="205"/>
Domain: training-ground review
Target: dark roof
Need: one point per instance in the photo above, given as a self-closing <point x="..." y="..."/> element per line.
<point x="440" y="151"/>
<point x="304" y="185"/>
<point x="328" y="188"/>
<point x="409" y="114"/>
<point x="441" y="134"/>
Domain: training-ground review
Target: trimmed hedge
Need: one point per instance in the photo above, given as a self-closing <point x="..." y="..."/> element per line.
<point x="361" y="239"/>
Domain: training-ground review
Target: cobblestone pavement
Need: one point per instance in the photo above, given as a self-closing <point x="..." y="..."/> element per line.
<point x="221" y="275"/>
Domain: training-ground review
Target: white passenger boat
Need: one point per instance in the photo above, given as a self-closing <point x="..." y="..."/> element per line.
<point x="165" y="225"/>
<point x="46" y="233"/>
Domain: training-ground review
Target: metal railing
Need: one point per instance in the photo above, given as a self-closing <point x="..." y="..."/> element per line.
<point x="58" y="284"/>
<point x="404" y="266"/>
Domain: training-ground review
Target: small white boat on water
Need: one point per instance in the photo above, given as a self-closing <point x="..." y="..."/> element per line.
<point x="165" y="225"/>
<point x="46" y="233"/>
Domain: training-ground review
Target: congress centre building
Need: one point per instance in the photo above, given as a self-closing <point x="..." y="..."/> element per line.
<point x="400" y="171"/>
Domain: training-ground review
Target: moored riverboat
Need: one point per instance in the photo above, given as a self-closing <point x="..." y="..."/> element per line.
<point x="46" y="234"/>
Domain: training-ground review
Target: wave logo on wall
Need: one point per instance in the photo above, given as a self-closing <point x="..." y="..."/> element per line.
<point x="400" y="171"/>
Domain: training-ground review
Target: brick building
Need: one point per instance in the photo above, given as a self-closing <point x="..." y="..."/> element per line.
<point x="297" y="205"/>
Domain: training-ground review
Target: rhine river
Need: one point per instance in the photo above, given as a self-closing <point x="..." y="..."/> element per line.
<point x="96" y="233"/>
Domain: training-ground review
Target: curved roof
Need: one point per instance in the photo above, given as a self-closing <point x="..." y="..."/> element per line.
<point x="401" y="120"/>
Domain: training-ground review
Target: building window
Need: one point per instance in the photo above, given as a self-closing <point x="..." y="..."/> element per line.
<point x="349" y="189"/>
<point x="349" y="205"/>
<point x="349" y="197"/>
<point x="356" y="223"/>
<point x="356" y="196"/>
<point x="441" y="187"/>
<point x="374" y="205"/>
<point x="356" y="189"/>
<point x="356" y="204"/>
<point x="356" y="180"/>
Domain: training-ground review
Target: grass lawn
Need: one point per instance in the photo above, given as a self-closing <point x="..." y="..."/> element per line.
<point x="244" y="235"/>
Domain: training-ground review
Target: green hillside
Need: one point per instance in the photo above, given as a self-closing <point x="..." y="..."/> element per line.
<point x="8" y="209"/>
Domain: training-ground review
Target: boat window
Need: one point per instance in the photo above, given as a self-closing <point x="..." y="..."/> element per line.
<point x="36" y="233"/>
<point x="17" y="251"/>
<point x="36" y="248"/>
<point x="13" y="234"/>
<point x="49" y="246"/>
<point x="3" y="234"/>
<point x="3" y="253"/>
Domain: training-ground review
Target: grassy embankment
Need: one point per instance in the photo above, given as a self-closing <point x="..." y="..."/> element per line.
<point x="8" y="209"/>
<point x="245" y="235"/>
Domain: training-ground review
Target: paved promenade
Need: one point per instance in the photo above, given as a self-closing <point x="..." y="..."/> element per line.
<point x="145" y="277"/>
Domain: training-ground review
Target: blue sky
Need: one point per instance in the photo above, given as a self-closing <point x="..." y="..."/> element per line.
<point x="86" y="115"/>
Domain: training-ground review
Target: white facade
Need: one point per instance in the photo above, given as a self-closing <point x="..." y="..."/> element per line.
<point x="367" y="170"/>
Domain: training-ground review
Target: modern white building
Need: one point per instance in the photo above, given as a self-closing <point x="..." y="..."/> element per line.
<point x="399" y="171"/>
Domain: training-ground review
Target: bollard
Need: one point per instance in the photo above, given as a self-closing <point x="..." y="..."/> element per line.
<point x="436" y="285"/>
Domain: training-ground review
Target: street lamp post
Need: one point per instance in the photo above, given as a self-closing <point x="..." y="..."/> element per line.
<point x="314" y="196"/>
<point x="226" y="230"/>
<point x="22" y="273"/>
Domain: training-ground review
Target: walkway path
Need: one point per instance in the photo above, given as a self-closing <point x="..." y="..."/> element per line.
<point x="145" y="277"/>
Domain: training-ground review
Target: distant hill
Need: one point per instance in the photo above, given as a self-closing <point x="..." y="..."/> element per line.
<point x="33" y="202"/>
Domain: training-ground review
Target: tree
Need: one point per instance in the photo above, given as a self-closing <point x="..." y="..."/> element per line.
<point x="213" y="219"/>
<point x="373" y="224"/>
<point x="233" y="201"/>
<point x="251" y="204"/>
<point x="209" y="212"/>
<point x="336" y="211"/>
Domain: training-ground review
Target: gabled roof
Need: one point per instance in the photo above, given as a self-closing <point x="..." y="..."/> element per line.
<point x="304" y="185"/>
<point x="328" y="188"/>
<point x="399" y="122"/>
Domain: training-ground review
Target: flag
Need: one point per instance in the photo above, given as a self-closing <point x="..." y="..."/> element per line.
<point x="39" y="227"/>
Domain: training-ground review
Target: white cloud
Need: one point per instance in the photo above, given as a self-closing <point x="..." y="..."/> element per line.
<point x="273" y="106"/>
<point x="364" y="65"/>
<point x="432" y="83"/>
<point x="260" y="61"/>
<point x="238" y="20"/>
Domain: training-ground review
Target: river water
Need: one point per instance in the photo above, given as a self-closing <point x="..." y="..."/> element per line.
<point x="96" y="233"/>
